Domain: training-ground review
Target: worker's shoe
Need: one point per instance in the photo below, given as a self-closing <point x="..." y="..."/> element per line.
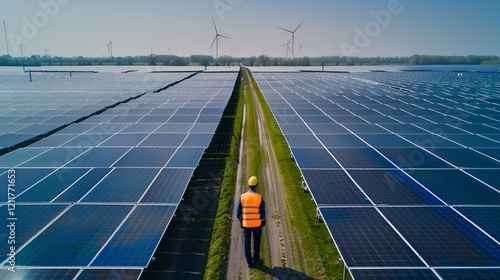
<point x="258" y="262"/>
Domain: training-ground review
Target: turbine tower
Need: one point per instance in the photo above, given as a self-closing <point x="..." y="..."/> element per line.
<point x="216" y="41"/>
<point x="110" y="50"/>
<point x="293" y="36"/>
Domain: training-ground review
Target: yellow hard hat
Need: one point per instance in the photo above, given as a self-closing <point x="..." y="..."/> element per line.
<point x="253" y="181"/>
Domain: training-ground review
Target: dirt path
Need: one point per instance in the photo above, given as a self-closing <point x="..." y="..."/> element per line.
<point x="276" y="229"/>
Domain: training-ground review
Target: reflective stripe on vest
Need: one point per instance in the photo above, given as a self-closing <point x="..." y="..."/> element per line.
<point x="250" y="204"/>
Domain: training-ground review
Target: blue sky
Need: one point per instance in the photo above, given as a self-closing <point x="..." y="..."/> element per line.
<point x="184" y="27"/>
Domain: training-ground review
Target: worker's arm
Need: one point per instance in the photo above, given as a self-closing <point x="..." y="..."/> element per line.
<point x="263" y="213"/>
<point x="239" y="212"/>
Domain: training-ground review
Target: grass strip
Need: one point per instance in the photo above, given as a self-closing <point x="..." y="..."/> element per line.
<point x="313" y="249"/>
<point x="221" y="235"/>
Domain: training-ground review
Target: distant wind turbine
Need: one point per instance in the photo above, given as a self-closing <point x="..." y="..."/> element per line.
<point x="287" y="45"/>
<point x="293" y="36"/>
<point x="300" y="46"/>
<point x="216" y="41"/>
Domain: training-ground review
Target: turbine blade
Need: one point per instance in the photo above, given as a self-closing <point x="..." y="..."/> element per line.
<point x="285" y="29"/>
<point x="215" y="26"/>
<point x="299" y="26"/>
<point x="224" y="36"/>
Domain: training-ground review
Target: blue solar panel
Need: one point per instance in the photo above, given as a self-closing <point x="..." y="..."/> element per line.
<point x="341" y="141"/>
<point x="169" y="186"/>
<point x="392" y="187"/>
<point x="124" y="140"/>
<point x="393" y="274"/>
<point x="29" y="220"/>
<point x="122" y="185"/>
<point x="174" y="128"/>
<point x="163" y="140"/>
<point x="485" y="217"/>
<point x="360" y="158"/>
<point x="413" y="158"/>
<point x="53" y="140"/>
<point x="333" y="187"/>
<point x="466" y="158"/>
<point x="55" y="157"/>
<point x="489" y="176"/>
<point x="146" y="157"/>
<point x="456" y="187"/>
<point x="125" y="274"/>
<point x="186" y="157"/>
<point x="98" y="157"/>
<point x="469" y="273"/>
<point x="127" y="247"/>
<point x="313" y="158"/>
<point x="446" y="239"/>
<point x="75" y="238"/>
<point x="365" y="239"/>
<point x="197" y="140"/>
<point x="82" y="186"/>
<point x="86" y="140"/>
<point x="19" y="156"/>
<point x="50" y="187"/>
<point x="25" y="178"/>
<point x="386" y="140"/>
<point x="36" y="274"/>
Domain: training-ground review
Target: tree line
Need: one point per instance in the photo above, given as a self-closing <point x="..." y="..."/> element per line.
<point x="262" y="60"/>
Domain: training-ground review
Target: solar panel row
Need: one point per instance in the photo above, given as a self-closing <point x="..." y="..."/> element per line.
<point x="28" y="110"/>
<point x="406" y="181"/>
<point x="101" y="193"/>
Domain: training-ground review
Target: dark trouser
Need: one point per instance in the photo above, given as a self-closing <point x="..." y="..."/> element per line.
<point x="247" y="232"/>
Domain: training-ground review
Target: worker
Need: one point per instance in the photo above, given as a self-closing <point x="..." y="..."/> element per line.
<point x="251" y="213"/>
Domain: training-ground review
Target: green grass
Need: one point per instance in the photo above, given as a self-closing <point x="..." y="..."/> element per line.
<point x="313" y="249"/>
<point x="221" y="235"/>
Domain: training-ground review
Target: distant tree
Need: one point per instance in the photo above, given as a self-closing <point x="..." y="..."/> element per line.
<point x="178" y="61"/>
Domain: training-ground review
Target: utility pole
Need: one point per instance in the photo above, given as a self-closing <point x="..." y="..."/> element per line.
<point x="6" y="42"/>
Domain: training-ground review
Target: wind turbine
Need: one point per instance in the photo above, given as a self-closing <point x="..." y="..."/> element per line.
<point x="287" y="44"/>
<point x="216" y="41"/>
<point x="300" y="46"/>
<point x="293" y="36"/>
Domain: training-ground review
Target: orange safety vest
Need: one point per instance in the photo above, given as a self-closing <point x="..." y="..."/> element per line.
<point x="250" y="206"/>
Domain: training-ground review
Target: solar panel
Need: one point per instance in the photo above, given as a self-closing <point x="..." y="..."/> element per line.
<point x="313" y="158"/>
<point x="98" y="157"/>
<point x="145" y="157"/>
<point x="360" y="158"/>
<point x="36" y="274"/>
<point x="442" y="166"/>
<point x="75" y="238"/>
<point x="364" y="238"/>
<point x="96" y="273"/>
<point x="168" y="187"/>
<point x="50" y="187"/>
<point x="469" y="273"/>
<point x="186" y="157"/>
<point x="128" y="247"/>
<point x="31" y="219"/>
<point x="122" y="185"/>
<point x="409" y="273"/>
<point x="447" y="240"/>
